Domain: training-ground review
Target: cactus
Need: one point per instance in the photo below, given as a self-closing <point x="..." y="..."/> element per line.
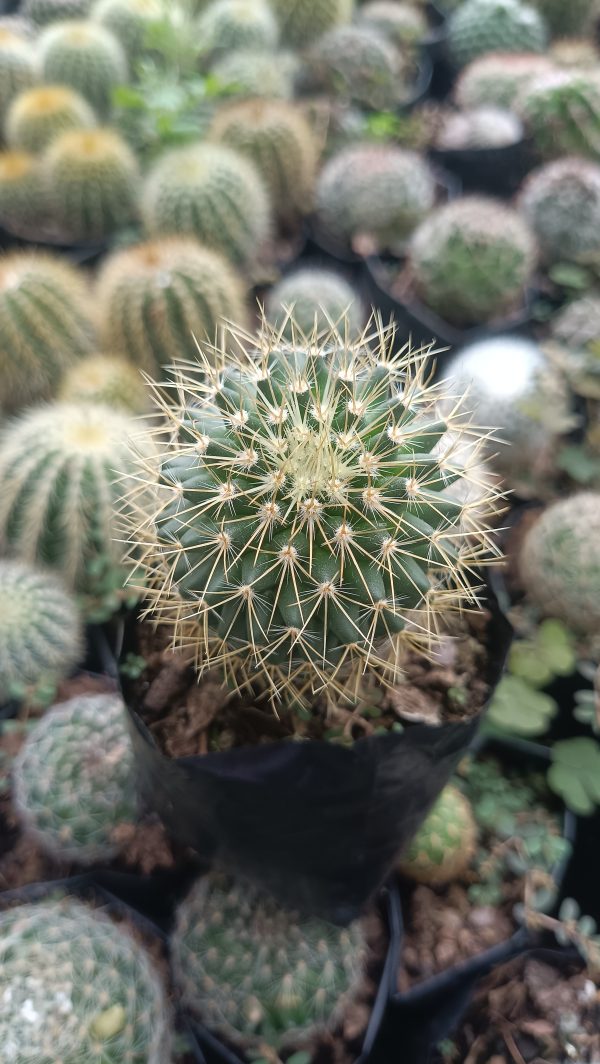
<point x="20" y="26"/>
<point x="574" y="52"/>
<point x="94" y="180"/>
<point x="45" y="324"/>
<point x="85" y="56"/>
<point x="42" y="12"/>
<point x="18" y="67"/>
<point x="255" y="972"/>
<point x="498" y="79"/>
<point x="128" y="20"/>
<point x="566" y="19"/>
<point x="578" y="323"/>
<point x="314" y="299"/>
<point x="401" y="23"/>
<point x="472" y="259"/>
<point x="23" y="193"/>
<point x="40" y="630"/>
<point x="483" y="127"/>
<point x="358" y="64"/>
<point x="73" y="778"/>
<point x="74" y="986"/>
<point x="38" y="116"/>
<point x="211" y="192"/>
<point x="277" y="138"/>
<point x="253" y="73"/>
<point x="226" y="25"/>
<point x="480" y="26"/>
<point x="562" y="113"/>
<point x="444" y="845"/>
<point x="379" y="190"/>
<point x="158" y="300"/>
<point x="108" y="380"/>
<point x="561" y="202"/>
<point x="304" y="21"/>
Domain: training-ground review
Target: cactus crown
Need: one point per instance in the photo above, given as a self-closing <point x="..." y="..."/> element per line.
<point x="105" y="379"/>
<point x="312" y="295"/>
<point x="358" y="63"/>
<point x="561" y="202"/>
<point x="303" y="21"/>
<point x="480" y="26"/>
<point x="39" y="115"/>
<point x="231" y="24"/>
<point x="498" y="78"/>
<point x="250" y="72"/>
<point x="444" y="845"/>
<point x="562" y="112"/>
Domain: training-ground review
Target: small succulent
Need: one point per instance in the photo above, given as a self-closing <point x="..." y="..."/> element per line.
<point x="128" y="20"/>
<point x="480" y="26"/>
<point x="226" y="25"/>
<point x="249" y="72"/>
<point x="358" y="64"/>
<point x="18" y="67"/>
<point x="498" y="78"/>
<point x="23" y="193"/>
<point x="561" y="202"/>
<point x="105" y="379"/>
<point x="444" y="845"/>
<point x="39" y="115"/>
<point x="85" y="56"/>
<point x="42" y="12"/>
<point x="561" y="110"/>
<point x="312" y="298"/>
<point x="304" y="21"/>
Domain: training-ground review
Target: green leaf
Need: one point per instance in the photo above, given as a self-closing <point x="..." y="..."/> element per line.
<point x="519" y="709"/>
<point x="575" y="774"/>
<point x="550" y="653"/>
<point x="127" y="96"/>
<point x="579" y="464"/>
<point x="568" y="275"/>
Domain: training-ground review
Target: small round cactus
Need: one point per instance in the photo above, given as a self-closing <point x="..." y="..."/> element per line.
<point x="402" y="23"/>
<point x="108" y="380"/>
<point x="254" y="972"/>
<point x="41" y="637"/>
<point x="578" y="324"/>
<point x="472" y="259"/>
<point x="380" y="191"/>
<point x="498" y="79"/>
<point x="561" y="202"/>
<point x="227" y="25"/>
<point x="562" y="112"/>
<point x="444" y="845"/>
<point x="159" y="300"/>
<point x="18" y="67"/>
<point x="128" y="20"/>
<point x="482" y="127"/>
<point x="566" y="19"/>
<point x="85" y="56"/>
<point x="358" y="64"/>
<point x="38" y="116"/>
<point x="23" y="193"/>
<point x="249" y="72"/>
<point x="480" y="26"/>
<point x="42" y="12"/>
<point x="310" y="299"/>
<point x="74" y="986"/>
<point x="577" y="53"/>
<point x="19" y="25"/>
<point x="45" y="324"/>
<point x="94" y="181"/>
<point x="73" y="778"/>
<point x="211" y="192"/>
<point x="304" y="21"/>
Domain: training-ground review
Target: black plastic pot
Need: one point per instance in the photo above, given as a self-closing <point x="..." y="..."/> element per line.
<point x="498" y="171"/>
<point x="435" y="47"/>
<point x="422" y="84"/>
<point x="81" y="254"/>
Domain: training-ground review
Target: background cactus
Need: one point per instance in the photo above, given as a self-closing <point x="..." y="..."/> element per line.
<point x="43" y="12"/>
<point x="578" y="323"/>
<point x="38" y="116"/>
<point x="444" y="845"/>
<point x="499" y="78"/>
<point x="85" y="56"/>
<point x="472" y="259"/>
<point x="128" y="20"/>
<point x="303" y="21"/>
<point x="561" y="202"/>
<point x="317" y="298"/>
<point x="108" y="380"/>
<point x="74" y="986"/>
<point x="402" y="23"/>
<point x="249" y="72"/>
<point x="18" y="67"/>
<point x="230" y="24"/>
<point x="480" y="26"/>
<point x="359" y="64"/>
<point x="482" y="127"/>
<point x="253" y="971"/>
<point x="562" y="113"/>
<point x="40" y="630"/>
<point x="23" y="193"/>
<point x="569" y="18"/>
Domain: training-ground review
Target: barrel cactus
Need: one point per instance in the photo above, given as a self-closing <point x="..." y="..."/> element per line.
<point x="74" y="986"/>
<point x="498" y="79"/>
<point x="561" y="202"/>
<point x="38" y="116"/>
<point x="23" y="193"/>
<point x="480" y="26"/>
<point x="128" y="20"/>
<point x="159" y="300"/>
<point x="304" y="21"/>
<point x="567" y="19"/>
<point x="471" y="259"/>
<point x="249" y="72"/>
<point x="18" y="67"/>
<point x="403" y="23"/>
<point x="105" y="379"/>
<point x="254" y="972"/>
<point x="42" y="12"/>
<point x="562" y="112"/>
<point x="444" y="845"/>
<point x="359" y="64"/>
<point x="312" y="298"/>
<point x="85" y="56"/>
<point x="226" y="25"/>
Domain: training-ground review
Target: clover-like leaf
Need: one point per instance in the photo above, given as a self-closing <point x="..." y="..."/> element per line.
<point x="575" y="774"/>
<point x="550" y="653"/>
<point x="519" y="709"/>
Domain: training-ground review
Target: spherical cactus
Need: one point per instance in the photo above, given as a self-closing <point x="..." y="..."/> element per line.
<point x="38" y="116"/>
<point x="94" y="181"/>
<point x="560" y="562"/>
<point x="444" y="845"/>
<point x="578" y="324"/>
<point x="576" y="53"/>
<point x="482" y="127"/>
<point x="277" y="138"/>
<point x="18" y="67"/>
<point x="359" y="64"/>
<point x="252" y="73"/>
<point x="566" y="18"/>
<point x="85" y="56"/>
<point x="19" y="25"/>
<point x="304" y="21"/>
<point x="108" y="380"/>
<point x="376" y="190"/>
<point x="497" y="79"/>
<point x="211" y="192"/>
<point x="561" y="202"/>
<point x="226" y="25"/>
<point x="480" y="26"/>
<point x="128" y="20"/>
<point x="401" y="23"/>
<point x="472" y="259"/>
<point x="74" y="986"/>
<point x="253" y="971"/>
<point x="23" y="192"/>
<point x="40" y="630"/>
<point x="562" y="113"/>
<point x="159" y="300"/>
<point x="310" y="299"/>
<point x="45" y="324"/>
<point x="42" y="12"/>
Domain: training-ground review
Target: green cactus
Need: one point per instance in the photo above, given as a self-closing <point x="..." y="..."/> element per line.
<point x="578" y="323"/>
<point x="562" y="113"/>
<point x="472" y="259"/>
<point x="18" y="67"/>
<point x="227" y="25"/>
<point x="560" y="562"/>
<point x="376" y="190"/>
<point x="567" y="18"/>
<point x="304" y="21"/>
<point x="480" y="26"/>
<point x="38" y="116"/>
<point x="108" y="380"/>
<point x="211" y="192"/>
<point x="358" y="64"/>
<point x="258" y="973"/>
<point x="254" y="73"/>
<point x="23" y="193"/>
<point x="499" y="78"/>
<point x="561" y="202"/>
<point x="85" y="56"/>
<point x="41" y="637"/>
<point x="444" y="845"/>
<point x="159" y="299"/>
<point x="42" y="12"/>
<point x="20" y="26"/>
<point x="45" y="324"/>
<point x="402" y="23"/>
<point x="94" y="181"/>
<point x="75" y="987"/>
<point x="128" y="20"/>
<point x="314" y="298"/>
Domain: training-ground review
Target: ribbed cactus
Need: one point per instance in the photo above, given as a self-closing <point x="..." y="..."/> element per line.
<point x="472" y="259"/>
<point x="480" y="26"/>
<point x="561" y="202"/>
<point x="23" y="192"/>
<point x="94" y="181"/>
<point x="44" y="11"/>
<point x="45" y="324"/>
<point x="499" y="78"/>
<point x="303" y="21"/>
<point x="40" y="630"/>
<point x="252" y="73"/>
<point x="38" y="116"/>
<point x="227" y="25"/>
<point x="253" y="971"/>
<point x="567" y="17"/>
<point x="108" y="380"/>
<point x="560" y="562"/>
<point x="360" y="64"/>
<point x="562" y="112"/>
<point x="128" y="20"/>
<point x="312" y="298"/>
<point x="402" y="23"/>
<point x="376" y="190"/>
<point x="75" y="987"/>
<point x="211" y="192"/>
<point x="18" y="67"/>
<point x="158" y="300"/>
<point x="445" y="843"/>
<point x="85" y="56"/>
<point x="73" y="778"/>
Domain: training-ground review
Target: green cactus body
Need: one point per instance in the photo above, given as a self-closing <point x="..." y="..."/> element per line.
<point x="253" y="73"/>
<point x="45" y="324"/>
<point x="402" y="23"/>
<point x="211" y="192"/>
<point x="358" y="64"/>
<point x="18" y="67"/>
<point x="40" y="630"/>
<point x="480" y="26"/>
<point x="304" y="21"/>
<point x="472" y="259"/>
<point x="108" y="380"/>
<point x="42" y="12"/>
<point x="562" y="112"/>
<point x="561" y="202"/>
<point x="257" y="973"/>
<point x="375" y="190"/>
<point x="227" y="25"/>
<point x="23" y="194"/>
<point x="85" y="56"/>
<point x="75" y="987"/>
<point x="314" y="299"/>
<point x="38" y="116"/>
<point x="20" y="26"/>
<point x="499" y="78"/>
<point x="566" y="18"/>
<point x="444" y="845"/>
<point x="128" y="20"/>
<point x="158" y="300"/>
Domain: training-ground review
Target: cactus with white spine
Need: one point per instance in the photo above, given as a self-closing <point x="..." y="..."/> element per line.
<point x="85" y="56"/>
<point x="402" y="23"/>
<point x="312" y="298"/>
<point x="22" y="27"/>
<point x="561" y="202"/>
<point x="304" y="21"/>
<point x="74" y="986"/>
<point x="249" y="72"/>
<point x="108" y="380"/>
<point x="128" y="20"/>
<point x="578" y="323"/>
<point x="561" y="111"/>
<point x="23" y="192"/>
<point x="18" y="67"/>
<point x="360" y="64"/>
<point x="482" y="127"/>
<point x="42" y="12"/>
<point x="498" y="78"/>
<point x="227" y="25"/>
<point x="444" y="846"/>
<point x="38" y="116"/>
<point x="480" y="26"/>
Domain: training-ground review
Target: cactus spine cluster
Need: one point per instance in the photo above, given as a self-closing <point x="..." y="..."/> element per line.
<point x="312" y="299"/>
<point x="304" y="21"/>
<point x="561" y="202"/>
<point x="499" y="78"/>
<point x="227" y="25"/>
<point x="38" y="116"/>
<point x="23" y="194"/>
<point x="249" y="72"/>
<point x="108" y="380"/>
<point x="85" y="56"/>
<point x="480" y="26"/>
<point x="42" y="12"/>
<point x="562" y="112"/>
<point x="18" y="67"/>
<point x="445" y="843"/>
<point x="357" y="63"/>
<point x="128" y="20"/>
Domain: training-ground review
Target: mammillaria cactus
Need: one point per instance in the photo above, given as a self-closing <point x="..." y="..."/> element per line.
<point x="256" y="972"/>
<point x="357" y="63"/>
<point x="45" y="324"/>
<point x="94" y="180"/>
<point x="445" y="843"/>
<point x="566" y="19"/>
<point x="303" y="21"/>
<point x="85" y="56"/>
<point x="402" y="23"/>
<point x="40" y="629"/>
<point x="159" y="300"/>
<point x="472" y="259"/>
<point x="74" y="986"/>
<point x="560" y="561"/>
<point x="562" y="113"/>
<point x="23" y="198"/>
<point x="497" y="79"/>
<point x="38" y="116"/>
<point x="380" y="191"/>
<point x="108" y="380"/>
<point x="561" y="202"/>
<point x="128" y="20"/>
<point x="480" y="26"/>
<point x="231" y="24"/>
<point x="73" y="778"/>
<point x="18" y="67"/>
<point x="211" y="192"/>
<point x="310" y="299"/>
<point x="249" y="72"/>
<point x="44" y="11"/>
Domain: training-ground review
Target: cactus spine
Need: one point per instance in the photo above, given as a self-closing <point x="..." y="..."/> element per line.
<point x="18" y="67"/>
<point x="357" y="63"/>
<point x="23" y="194"/>
<point x="108" y="380"/>
<point x="498" y="78"/>
<point x="310" y="299"/>
<point x="304" y="21"/>
<point x="248" y="72"/>
<point x="480" y="26"/>
<point x="85" y="56"/>
<point x="561" y="202"/>
<point x="38" y="116"/>
<point x="227" y="25"/>
<point x="128" y="20"/>
<point x="444" y="845"/>
<point x="42" y="12"/>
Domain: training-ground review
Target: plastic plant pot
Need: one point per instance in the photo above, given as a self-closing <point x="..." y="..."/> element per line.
<point x="435" y="47"/>
<point x="498" y="171"/>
